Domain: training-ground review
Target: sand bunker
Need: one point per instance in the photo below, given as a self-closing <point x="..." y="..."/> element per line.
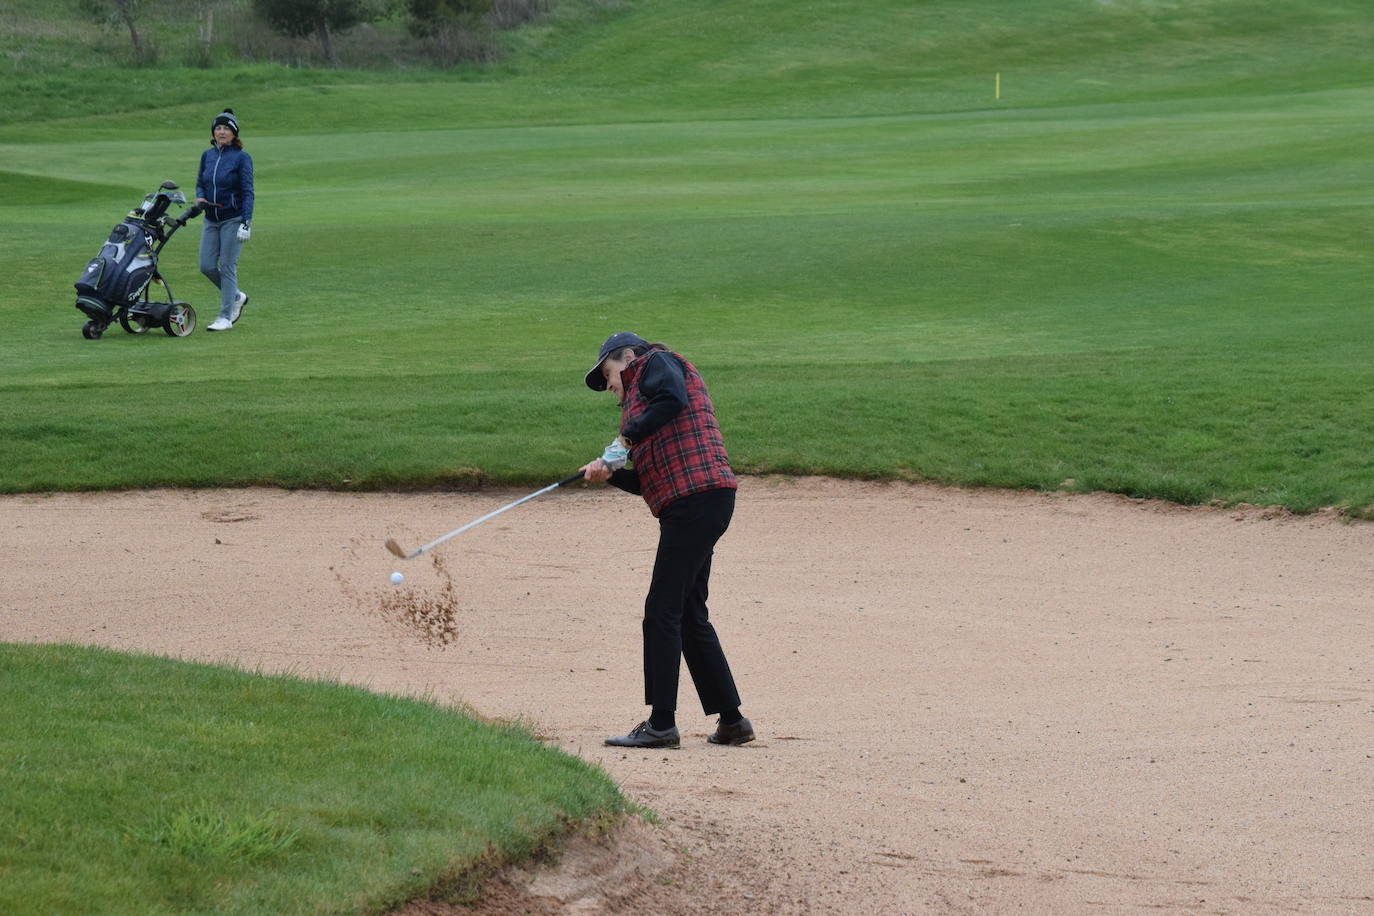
<point x="966" y="701"/>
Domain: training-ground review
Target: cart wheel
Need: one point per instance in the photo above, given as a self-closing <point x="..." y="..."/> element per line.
<point x="181" y="320"/>
<point x="91" y="331"/>
<point x="134" y="324"/>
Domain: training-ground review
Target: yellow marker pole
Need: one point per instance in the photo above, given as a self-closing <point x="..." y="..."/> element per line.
<point x="997" y="83"/>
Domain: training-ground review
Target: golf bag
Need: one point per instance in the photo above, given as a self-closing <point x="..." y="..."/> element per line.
<point x="119" y="274"/>
<point x="116" y="283"/>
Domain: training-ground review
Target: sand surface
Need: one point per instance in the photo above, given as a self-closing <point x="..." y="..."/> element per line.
<point x="966" y="701"/>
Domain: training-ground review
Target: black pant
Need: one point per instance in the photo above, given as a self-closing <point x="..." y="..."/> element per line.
<point x="676" y="624"/>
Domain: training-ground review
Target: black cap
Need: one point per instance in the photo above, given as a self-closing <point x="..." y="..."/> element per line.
<point x="226" y="117"/>
<point x="614" y="344"/>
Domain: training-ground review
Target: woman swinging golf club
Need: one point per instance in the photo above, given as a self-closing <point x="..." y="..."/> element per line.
<point x="669" y="434"/>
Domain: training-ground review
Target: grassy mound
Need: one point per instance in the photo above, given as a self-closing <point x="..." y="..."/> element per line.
<point x="143" y="785"/>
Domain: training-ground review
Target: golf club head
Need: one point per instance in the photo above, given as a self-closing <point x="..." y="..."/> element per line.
<point x="395" y="548"/>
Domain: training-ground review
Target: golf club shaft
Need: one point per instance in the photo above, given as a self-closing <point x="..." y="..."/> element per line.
<point x="524" y="499"/>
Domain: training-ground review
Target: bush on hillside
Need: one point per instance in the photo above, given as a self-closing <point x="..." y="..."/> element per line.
<point x="321" y="18"/>
<point x="451" y="31"/>
<point x="458" y="31"/>
<point x="511" y="14"/>
<point x="124" y="14"/>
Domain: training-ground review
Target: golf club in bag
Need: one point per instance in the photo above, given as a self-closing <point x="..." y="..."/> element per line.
<point x="395" y="548"/>
<point x="116" y="283"/>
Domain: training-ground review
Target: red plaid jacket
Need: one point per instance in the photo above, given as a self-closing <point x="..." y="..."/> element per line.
<point x="686" y="455"/>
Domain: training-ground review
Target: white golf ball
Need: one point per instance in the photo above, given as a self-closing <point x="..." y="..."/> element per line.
<point x="397" y="578"/>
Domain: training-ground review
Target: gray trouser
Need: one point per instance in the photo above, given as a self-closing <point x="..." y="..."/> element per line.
<point x="219" y="260"/>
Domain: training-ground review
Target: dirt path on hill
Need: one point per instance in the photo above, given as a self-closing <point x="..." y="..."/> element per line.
<point x="966" y="701"/>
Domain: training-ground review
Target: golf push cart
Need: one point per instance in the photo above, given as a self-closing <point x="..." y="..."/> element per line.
<point x="115" y="285"/>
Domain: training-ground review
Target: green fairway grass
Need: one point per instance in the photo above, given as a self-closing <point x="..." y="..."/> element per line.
<point x="141" y="785"/>
<point x="1144" y="269"/>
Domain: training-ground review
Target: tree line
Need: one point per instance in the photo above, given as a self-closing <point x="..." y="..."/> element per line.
<point x="451" y="30"/>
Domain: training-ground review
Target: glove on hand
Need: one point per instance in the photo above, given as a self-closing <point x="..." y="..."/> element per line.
<point x="244" y="232"/>
<point x="616" y="454"/>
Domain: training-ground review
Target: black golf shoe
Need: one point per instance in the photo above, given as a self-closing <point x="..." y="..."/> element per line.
<point x="742" y="732"/>
<point x="644" y="736"/>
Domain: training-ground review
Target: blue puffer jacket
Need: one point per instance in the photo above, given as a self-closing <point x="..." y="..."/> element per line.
<point x="226" y="178"/>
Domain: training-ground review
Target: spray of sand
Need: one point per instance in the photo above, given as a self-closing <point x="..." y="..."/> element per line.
<point x="429" y="612"/>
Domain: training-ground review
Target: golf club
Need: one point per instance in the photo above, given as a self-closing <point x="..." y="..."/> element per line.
<point x="395" y="548"/>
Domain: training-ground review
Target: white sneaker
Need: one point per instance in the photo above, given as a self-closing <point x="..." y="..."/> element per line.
<point x="240" y="301"/>
<point x="220" y="324"/>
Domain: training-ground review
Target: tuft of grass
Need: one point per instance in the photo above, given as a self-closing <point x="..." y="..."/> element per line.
<point x="197" y="831"/>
